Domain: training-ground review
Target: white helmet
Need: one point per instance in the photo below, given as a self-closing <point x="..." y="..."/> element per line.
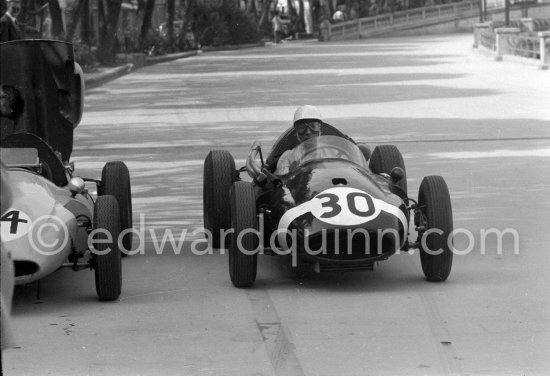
<point x="307" y="112"/>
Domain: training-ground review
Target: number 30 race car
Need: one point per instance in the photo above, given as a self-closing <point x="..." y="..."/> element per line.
<point x="334" y="210"/>
<point x="49" y="219"/>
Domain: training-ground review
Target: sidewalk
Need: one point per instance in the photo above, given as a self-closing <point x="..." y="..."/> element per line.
<point x="106" y="74"/>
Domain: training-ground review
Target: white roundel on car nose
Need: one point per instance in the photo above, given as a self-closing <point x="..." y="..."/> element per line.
<point x="14" y="224"/>
<point x="345" y="206"/>
<point x="342" y="206"/>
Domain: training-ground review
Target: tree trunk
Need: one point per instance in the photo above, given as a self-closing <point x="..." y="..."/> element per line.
<point x="171" y="10"/>
<point x="147" y="24"/>
<point x="327" y="9"/>
<point x="228" y="3"/>
<point x="265" y="13"/>
<point x="85" y="29"/>
<point x="71" y="29"/>
<point x="188" y="9"/>
<point x="291" y="10"/>
<point x="107" y="30"/>
<point x="252" y="10"/>
<point x="300" y="23"/>
<point x="57" y="19"/>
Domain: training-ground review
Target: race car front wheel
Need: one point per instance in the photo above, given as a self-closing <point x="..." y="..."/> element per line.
<point x="436" y="221"/>
<point x="243" y="256"/>
<point x="384" y="158"/>
<point x="115" y="181"/>
<point x="105" y="253"/>
<point x="219" y="174"/>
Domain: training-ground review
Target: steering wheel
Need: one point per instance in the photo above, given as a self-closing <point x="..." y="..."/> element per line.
<point x="46" y="171"/>
<point x="340" y="152"/>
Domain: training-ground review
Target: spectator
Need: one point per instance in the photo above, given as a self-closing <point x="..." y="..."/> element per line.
<point x="47" y="25"/>
<point x="277" y="27"/>
<point x="9" y="29"/>
<point x="373" y="9"/>
<point x="338" y="16"/>
<point x="11" y="102"/>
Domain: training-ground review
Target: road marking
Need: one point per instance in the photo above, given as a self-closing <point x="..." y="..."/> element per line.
<point x="447" y="353"/>
<point x="275" y="336"/>
<point x="500" y="153"/>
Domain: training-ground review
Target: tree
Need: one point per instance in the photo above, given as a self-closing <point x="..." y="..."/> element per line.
<point x="82" y="18"/>
<point x="252" y="10"/>
<point x="188" y="10"/>
<point x="171" y="10"/>
<point x="147" y="22"/>
<point x="300" y="25"/>
<point x="265" y="13"/>
<point x="71" y="29"/>
<point x="57" y="19"/>
<point x="108" y="25"/>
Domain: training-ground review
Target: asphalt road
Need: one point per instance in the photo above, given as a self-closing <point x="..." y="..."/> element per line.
<point x="483" y="125"/>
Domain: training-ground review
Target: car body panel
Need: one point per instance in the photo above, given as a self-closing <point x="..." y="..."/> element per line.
<point x="51" y="85"/>
<point x="338" y="198"/>
<point x="40" y="226"/>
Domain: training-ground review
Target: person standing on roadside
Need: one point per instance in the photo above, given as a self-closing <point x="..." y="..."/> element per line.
<point x="9" y="30"/>
<point x="277" y="26"/>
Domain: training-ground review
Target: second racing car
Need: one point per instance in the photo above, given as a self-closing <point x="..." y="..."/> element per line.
<point x="49" y="217"/>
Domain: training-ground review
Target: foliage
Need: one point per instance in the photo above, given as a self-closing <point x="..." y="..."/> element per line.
<point x="84" y="55"/>
<point x="223" y="25"/>
<point x="155" y="44"/>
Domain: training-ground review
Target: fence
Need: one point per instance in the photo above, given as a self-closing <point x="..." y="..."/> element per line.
<point x="368" y="26"/>
<point x="526" y="41"/>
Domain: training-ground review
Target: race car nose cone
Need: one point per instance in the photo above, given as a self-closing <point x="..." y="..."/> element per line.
<point x="76" y="185"/>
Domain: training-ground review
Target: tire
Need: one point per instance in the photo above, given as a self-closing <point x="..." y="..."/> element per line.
<point x="219" y="175"/>
<point x="365" y="150"/>
<point x="435" y="206"/>
<point x="115" y="181"/>
<point x="242" y="267"/>
<point x="384" y="158"/>
<point x="107" y="265"/>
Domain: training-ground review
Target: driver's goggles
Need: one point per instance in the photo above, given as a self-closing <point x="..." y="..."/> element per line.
<point x="313" y="126"/>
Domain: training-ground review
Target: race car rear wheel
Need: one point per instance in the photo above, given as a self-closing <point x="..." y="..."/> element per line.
<point x="384" y="158"/>
<point x="219" y="174"/>
<point x="105" y="252"/>
<point x="436" y="215"/>
<point x="243" y="257"/>
<point x="115" y="181"/>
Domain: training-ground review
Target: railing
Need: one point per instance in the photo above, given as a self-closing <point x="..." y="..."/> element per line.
<point x="488" y="40"/>
<point x="525" y="46"/>
<point x="411" y="17"/>
<point x="531" y="44"/>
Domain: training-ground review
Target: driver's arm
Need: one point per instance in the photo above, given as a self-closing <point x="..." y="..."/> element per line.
<point x="283" y="165"/>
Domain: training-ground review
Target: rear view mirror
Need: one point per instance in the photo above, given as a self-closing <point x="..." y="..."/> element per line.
<point x="77" y="95"/>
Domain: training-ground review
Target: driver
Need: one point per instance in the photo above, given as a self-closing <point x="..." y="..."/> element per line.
<point x="307" y="124"/>
<point x="11" y="107"/>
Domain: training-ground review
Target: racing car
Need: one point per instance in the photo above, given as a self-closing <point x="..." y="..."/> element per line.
<point x="50" y="219"/>
<point x="342" y="208"/>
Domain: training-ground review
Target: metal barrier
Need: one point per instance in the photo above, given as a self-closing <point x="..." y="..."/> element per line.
<point x="368" y="26"/>
<point x="525" y="46"/>
<point x="536" y="47"/>
<point x="529" y="44"/>
<point x="488" y="40"/>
